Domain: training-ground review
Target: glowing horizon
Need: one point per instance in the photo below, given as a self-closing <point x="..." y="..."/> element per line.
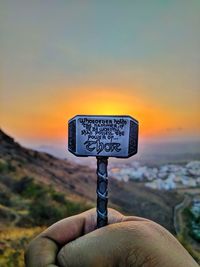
<point x="153" y="120"/>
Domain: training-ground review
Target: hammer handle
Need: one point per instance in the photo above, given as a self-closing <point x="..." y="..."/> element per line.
<point x="102" y="191"/>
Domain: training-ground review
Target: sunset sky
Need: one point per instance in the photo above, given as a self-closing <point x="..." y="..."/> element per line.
<point x="62" y="58"/>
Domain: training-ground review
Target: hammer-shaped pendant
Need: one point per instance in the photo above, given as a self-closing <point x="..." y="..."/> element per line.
<point x="102" y="137"/>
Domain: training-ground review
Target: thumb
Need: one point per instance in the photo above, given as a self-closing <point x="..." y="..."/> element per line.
<point x="126" y="244"/>
<point x="101" y="247"/>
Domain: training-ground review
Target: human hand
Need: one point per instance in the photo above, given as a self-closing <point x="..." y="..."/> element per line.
<point x="125" y="241"/>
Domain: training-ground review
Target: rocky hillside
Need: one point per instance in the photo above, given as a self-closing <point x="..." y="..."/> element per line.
<point x="77" y="183"/>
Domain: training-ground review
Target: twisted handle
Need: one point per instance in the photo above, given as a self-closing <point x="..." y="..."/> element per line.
<point x="102" y="191"/>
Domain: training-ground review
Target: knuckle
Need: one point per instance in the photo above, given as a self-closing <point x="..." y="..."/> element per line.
<point x="131" y="259"/>
<point x="146" y="230"/>
<point x="153" y="228"/>
<point x="136" y="257"/>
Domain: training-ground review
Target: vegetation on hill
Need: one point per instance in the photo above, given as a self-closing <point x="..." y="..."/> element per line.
<point x="190" y="231"/>
<point x="26" y="208"/>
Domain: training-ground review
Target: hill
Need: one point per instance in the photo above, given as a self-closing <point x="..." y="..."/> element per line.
<point x="36" y="189"/>
<point x="78" y="183"/>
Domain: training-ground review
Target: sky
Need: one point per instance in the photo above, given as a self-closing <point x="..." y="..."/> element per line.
<point x="62" y="58"/>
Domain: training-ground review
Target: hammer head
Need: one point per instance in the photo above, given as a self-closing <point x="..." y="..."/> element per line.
<point x="105" y="136"/>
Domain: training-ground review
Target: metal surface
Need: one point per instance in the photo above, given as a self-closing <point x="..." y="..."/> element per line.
<point x="108" y="136"/>
<point x="102" y="191"/>
<point x="102" y="137"/>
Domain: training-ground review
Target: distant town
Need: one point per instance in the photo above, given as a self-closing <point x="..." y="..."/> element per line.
<point x="165" y="177"/>
<point x="182" y="178"/>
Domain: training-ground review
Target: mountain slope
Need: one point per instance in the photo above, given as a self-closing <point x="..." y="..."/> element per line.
<point x="78" y="183"/>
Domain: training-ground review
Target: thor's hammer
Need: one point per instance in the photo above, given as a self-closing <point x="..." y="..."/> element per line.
<point x="102" y="137"/>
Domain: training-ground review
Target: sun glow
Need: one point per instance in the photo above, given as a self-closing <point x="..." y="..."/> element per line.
<point x="49" y="120"/>
<point x="98" y="101"/>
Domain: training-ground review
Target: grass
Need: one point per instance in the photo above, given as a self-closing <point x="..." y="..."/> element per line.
<point x="183" y="240"/>
<point x="13" y="243"/>
<point x="26" y="209"/>
<point x="185" y="237"/>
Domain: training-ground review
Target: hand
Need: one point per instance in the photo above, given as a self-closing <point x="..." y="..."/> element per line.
<point x="126" y="241"/>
